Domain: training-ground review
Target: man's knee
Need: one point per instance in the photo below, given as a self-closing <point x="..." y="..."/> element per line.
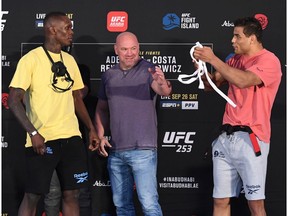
<point x="221" y="207"/>
<point x="32" y="198"/>
<point x="222" y="202"/>
<point x="70" y="195"/>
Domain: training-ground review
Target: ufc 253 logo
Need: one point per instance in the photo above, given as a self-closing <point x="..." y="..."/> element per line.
<point x="3" y="21"/>
<point x="182" y="141"/>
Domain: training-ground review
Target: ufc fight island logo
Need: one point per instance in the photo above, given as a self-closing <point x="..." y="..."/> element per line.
<point x="117" y="21"/>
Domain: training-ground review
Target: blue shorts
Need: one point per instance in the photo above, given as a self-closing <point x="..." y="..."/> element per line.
<point x="235" y="165"/>
<point x="67" y="156"/>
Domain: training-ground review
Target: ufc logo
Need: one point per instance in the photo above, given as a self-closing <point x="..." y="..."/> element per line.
<point x="118" y="19"/>
<point x="176" y="137"/>
<point x="3" y="21"/>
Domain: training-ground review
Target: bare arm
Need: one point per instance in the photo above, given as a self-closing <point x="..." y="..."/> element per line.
<point x="217" y="79"/>
<point x="102" y="123"/>
<point x="239" y="78"/>
<point x="82" y="113"/>
<point x="15" y="102"/>
<point x="84" y="91"/>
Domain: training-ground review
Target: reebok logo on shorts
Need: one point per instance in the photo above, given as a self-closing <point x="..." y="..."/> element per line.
<point x="49" y="150"/>
<point x="81" y="177"/>
<point x="253" y="188"/>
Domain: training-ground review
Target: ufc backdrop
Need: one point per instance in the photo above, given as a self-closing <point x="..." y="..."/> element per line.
<point x="187" y="120"/>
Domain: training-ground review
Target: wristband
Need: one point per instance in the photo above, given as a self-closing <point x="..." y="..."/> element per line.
<point x="33" y="133"/>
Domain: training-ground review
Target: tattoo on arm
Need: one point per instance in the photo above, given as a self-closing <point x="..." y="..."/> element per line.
<point x="15" y="102"/>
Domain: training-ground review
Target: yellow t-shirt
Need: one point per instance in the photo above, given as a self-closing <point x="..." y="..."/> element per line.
<point x="52" y="113"/>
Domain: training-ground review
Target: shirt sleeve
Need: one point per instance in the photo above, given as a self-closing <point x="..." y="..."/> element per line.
<point x="268" y="68"/>
<point x="23" y="74"/>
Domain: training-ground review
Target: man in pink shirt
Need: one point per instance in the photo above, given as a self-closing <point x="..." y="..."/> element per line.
<point x="241" y="150"/>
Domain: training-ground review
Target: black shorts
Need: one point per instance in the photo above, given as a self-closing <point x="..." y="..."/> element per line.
<point x="67" y="156"/>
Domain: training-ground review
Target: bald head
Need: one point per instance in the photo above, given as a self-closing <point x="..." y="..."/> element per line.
<point x="126" y="36"/>
<point x="127" y="48"/>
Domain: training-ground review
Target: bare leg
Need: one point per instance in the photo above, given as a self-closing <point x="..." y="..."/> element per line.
<point x="257" y="207"/>
<point x="70" y="205"/>
<point x="29" y="204"/>
<point x="221" y="207"/>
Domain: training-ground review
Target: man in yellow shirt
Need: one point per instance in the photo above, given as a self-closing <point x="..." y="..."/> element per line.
<point x="50" y="81"/>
